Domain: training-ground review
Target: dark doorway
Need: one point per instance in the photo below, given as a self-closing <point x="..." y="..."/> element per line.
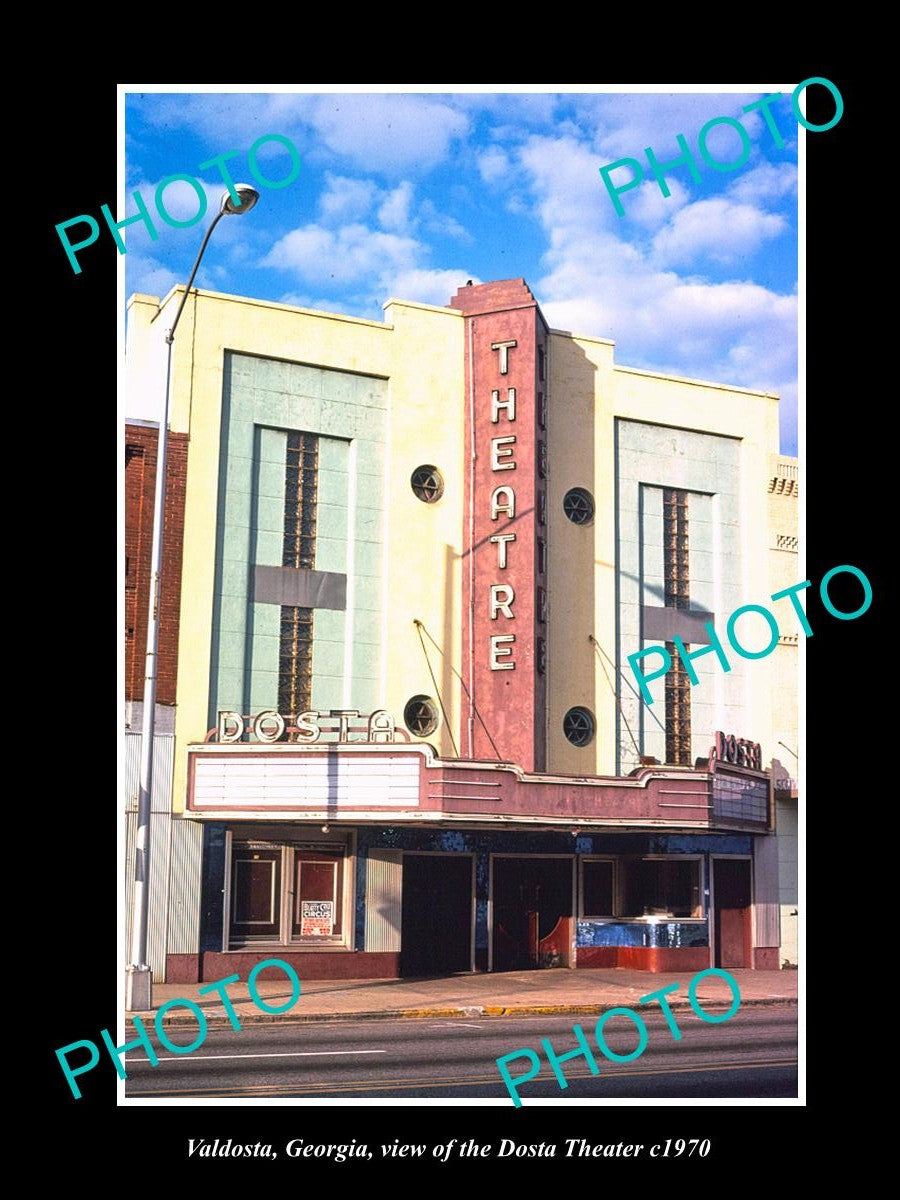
<point x="436" y="927"/>
<point x="523" y="887"/>
<point x="732" y="896"/>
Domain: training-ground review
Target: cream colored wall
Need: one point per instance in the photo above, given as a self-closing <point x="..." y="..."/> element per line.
<point x="423" y="542"/>
<point x="420" y="353"/>
<point x="782" y="493"/>
<point x="587" y="392"/>
<point x="581" y="454"/>
<point x="782" y="500"/>
<point x="145" y="356"/>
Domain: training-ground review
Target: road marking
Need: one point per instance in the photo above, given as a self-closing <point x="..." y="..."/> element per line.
<point x="395" y="1084"/>
<point x="284" y="1054"/>
<point x="455" y="1025"/>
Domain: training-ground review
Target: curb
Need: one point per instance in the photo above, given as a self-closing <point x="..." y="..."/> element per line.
<point x="487" y="1010"/>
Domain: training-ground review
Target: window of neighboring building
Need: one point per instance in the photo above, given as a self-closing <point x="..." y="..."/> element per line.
<point x="427" y="483"/>
<point x="598" y="877"/>
<point x="662" y="887"/>
<point x="578" y="505"/>
<point x="578" y="726"/>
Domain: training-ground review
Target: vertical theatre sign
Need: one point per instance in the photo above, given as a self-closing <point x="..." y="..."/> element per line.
<point x="504" y="578"/>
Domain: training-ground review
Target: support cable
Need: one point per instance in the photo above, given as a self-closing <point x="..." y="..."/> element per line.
<point x="419" y="627"/>
<point x="422" y="630"/>
<point x="626" y="681"/>
<point x="618" y="703"/>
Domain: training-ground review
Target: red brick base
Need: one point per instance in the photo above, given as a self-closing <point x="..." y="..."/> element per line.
<point x="765" y="958"/>
<point x="213" y="965"/>
<point x="182" y="968"/>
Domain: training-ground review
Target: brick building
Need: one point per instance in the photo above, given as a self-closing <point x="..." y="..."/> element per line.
<point x="140" y="485"/>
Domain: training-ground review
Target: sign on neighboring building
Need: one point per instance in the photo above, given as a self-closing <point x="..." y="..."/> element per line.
<point x="737" y="751"/>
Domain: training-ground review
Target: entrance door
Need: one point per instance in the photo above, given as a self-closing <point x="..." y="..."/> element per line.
<point x="530" y="895"/>
<point x="436" y="924"/>
<point x="732" y="902"/>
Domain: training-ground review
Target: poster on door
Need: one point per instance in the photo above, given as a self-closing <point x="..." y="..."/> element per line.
<point x="316" y="918"/>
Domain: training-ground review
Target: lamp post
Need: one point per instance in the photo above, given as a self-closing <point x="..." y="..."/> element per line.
<point x="138" y="976"/>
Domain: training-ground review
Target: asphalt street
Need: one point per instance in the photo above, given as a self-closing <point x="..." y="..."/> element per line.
<point x="754" y="1054"/>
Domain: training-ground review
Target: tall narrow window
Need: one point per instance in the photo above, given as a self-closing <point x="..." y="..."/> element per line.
<point x="677" y="595"/>
<point x="299" y="551"/>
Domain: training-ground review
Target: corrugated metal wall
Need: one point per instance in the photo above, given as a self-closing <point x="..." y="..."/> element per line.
<point x="186" y="860"/>
<point x="766" y="904"/>
<point x="384" y="890"/>
<point x="160" y="839"/>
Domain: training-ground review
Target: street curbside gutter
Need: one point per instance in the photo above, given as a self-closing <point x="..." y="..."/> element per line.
<point x="215" y="1021"/>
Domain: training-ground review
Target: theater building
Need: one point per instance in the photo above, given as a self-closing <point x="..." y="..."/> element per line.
<point x="416" y="556"/>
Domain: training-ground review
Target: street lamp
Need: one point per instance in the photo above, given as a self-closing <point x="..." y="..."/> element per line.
<point x="138" y="976"/>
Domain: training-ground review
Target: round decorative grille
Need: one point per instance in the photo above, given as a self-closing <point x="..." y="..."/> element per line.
<point x="427" y="483"/>
<point x="421" y="716"/>
<point x="578" y="505"/>
<point x="578" y="726"/>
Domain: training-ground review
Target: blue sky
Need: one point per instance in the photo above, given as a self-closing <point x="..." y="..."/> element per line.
<point x="408" y="195"/>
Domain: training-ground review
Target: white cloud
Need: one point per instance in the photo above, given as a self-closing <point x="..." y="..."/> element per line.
<point x="353" y="253"/>
<point x="515" y="109"/>
<point x="394" y="212"/>
<point x="429" y="287"/>
<point x="374" y="131"/>
<point x="389" y="132"/>
<point x="628" y="123"/>
<point x="493" y="164"/>
<point x="181" y="201"/>
<point x="648" y="208"/>
<point x="369" y="264"/>
<point x="144" y="273"/>
<point x="565" y="176"/>
<point x="598" y="283"/>
<point x="437" y="222"/>
<point x="227" y="121"/>
<point x="765" y="184"/>
<point x="346" y="199"/>
<point x="715" y="229"/>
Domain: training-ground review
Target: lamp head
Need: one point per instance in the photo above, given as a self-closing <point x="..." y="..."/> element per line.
<point x="249" y="196"/>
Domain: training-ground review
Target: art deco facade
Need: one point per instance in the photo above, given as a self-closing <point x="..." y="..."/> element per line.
<point x="416" y="555"/>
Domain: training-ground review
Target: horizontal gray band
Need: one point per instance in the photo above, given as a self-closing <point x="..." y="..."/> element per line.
<point x="297" y="587"/>
<point x="663" y="624"/>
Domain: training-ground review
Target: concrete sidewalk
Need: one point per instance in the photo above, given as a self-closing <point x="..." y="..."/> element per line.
<point x="512" y="993"/>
